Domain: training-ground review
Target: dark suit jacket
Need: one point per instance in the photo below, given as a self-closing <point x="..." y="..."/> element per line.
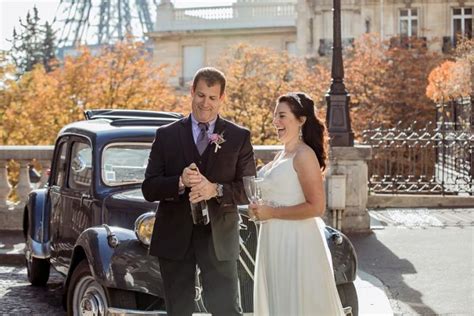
<point x="172" y="151"/>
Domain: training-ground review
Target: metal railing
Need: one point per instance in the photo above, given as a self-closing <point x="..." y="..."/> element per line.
<point x="436" y="159"/>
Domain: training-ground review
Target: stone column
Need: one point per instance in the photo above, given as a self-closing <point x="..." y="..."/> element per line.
<point x="45" y="169"/>
<point x="5" y="186"/>
<point x="23" y="187"/>
<point x="352" y="162"/>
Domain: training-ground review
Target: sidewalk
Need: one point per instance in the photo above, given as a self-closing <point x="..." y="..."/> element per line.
<point x="371" y="294"/>
<point x="372" y="298"/>
<point x="12" y="246"/>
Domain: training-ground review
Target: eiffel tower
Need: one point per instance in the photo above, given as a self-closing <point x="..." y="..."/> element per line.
<point x="102" y="22"/>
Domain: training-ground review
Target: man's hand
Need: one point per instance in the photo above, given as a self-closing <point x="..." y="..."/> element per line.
<point x="205" y="190"/>
<point x="191" y="176"/>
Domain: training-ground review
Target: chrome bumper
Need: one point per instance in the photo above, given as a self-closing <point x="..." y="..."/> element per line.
<point x="111" y="311"/>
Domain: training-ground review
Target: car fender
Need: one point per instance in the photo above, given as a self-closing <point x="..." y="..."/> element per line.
<point x="117" y="259"/>
<point x="343" y="254"/>
<point x="36" y="217"/>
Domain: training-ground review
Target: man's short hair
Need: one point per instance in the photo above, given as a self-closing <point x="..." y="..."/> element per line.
<point x="211" y="76"/>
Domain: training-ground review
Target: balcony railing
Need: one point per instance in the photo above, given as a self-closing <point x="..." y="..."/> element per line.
<point x="238" y="15"/>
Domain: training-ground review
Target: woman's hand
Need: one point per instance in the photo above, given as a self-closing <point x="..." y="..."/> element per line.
<point x="260" y="212"/>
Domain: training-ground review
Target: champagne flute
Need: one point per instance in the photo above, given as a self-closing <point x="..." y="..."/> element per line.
<point x="253" y="191"/>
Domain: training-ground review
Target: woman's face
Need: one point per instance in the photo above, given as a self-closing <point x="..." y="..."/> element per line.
<point x="286" y="123"/>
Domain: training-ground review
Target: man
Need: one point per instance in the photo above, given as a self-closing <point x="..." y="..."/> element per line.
<point x="222" y="162"/>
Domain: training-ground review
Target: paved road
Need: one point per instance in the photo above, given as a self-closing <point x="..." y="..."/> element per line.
<point x="18" y="297"/>
<point x="424" y="258"/>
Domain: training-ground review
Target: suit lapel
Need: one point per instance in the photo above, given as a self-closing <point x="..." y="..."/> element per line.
<point x="213" y="155"/>
<point x="187" y="140"/>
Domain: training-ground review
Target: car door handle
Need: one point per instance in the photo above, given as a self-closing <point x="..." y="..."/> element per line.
<point x="86" y="197"/>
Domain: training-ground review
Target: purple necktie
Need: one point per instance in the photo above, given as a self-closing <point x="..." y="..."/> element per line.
<point x="202" y="140"/>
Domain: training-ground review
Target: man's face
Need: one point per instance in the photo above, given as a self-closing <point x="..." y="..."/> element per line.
<point x="206" y="101"/>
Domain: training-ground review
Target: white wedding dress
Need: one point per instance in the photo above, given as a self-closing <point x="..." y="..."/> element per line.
<point x="293" y="275"/>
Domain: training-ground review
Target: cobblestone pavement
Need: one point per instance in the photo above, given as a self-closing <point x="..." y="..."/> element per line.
<point x="18" y="297"/>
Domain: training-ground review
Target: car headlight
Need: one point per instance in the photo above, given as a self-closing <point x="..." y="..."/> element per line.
<point x="144" y="227"/>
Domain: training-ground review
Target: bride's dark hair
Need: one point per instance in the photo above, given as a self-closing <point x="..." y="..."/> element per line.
<point x="314" y="130"/>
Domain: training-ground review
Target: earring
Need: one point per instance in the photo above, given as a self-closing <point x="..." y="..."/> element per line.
<point x="300" y="133"/>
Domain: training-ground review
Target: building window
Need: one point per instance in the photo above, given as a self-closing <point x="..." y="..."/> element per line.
<point x="408" y="22"/>
<point x="462" y="22"/>
<point x="193" y="59"/>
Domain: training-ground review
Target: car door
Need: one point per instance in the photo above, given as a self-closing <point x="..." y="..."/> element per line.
<point x="57" y="181"/>
<point x="76" y="196"/>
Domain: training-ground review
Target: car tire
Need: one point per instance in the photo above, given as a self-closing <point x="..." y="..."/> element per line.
<point x="84" y="292"/>
<point x="37" y="270"/>
<point x="348" y="294"/>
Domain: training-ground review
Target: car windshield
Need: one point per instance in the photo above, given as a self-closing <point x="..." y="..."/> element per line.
<point x="125" y="163"/>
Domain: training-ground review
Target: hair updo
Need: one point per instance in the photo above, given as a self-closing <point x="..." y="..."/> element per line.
<point x="314" y="130"/>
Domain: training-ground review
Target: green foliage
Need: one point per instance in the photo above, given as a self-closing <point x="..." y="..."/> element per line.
<point x="33" y="44"/>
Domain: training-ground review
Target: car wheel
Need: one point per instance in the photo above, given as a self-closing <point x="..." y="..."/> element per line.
<point x="37" y="269"/>
<point x="85" y="295"/>
<point x="348" y="294"/>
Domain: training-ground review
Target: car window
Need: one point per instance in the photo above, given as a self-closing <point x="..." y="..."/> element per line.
<point x="125" y="163"/>
<point x="60" y="169"/>
<point x="80" y="169"/>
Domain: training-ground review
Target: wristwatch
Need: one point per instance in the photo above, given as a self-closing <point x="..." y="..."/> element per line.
<point x="220" y="190"/>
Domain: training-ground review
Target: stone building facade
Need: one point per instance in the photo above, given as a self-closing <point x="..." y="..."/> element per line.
<point x="188" y="38"/>
<point x="437" y="21"/>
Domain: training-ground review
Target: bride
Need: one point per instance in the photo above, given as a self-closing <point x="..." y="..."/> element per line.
<point x="293" y="274"/>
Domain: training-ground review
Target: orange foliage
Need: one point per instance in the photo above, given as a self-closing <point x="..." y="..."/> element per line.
<point x="387" y="83"/>
<point x="453" y="79"/>
<point x="256" y="77"/>
<point x="119" y="77"/>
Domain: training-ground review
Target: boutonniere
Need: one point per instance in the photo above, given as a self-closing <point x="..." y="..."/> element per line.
<point x="217" y="139"/>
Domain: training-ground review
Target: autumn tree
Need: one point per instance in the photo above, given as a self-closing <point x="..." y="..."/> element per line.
<point x="7" y="71"/>
<point x="365" y="68"/>
<point x="387" y="82"/>
<point x="256" y="77"/>
<point x="406" y="80"/>
<point x="120" y="77"/>
<point x="453" y="78"/>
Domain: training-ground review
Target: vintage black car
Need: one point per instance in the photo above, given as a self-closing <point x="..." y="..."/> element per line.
<point x="92" y="224"/>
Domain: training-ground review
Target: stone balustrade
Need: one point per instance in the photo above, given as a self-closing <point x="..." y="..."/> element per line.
<point x="24" y="155"/>
<point x="245" y="14"/>
<point x="350" y="161"/>
<point x="11" y="214"/>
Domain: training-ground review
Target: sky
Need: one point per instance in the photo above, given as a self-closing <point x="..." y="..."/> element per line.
<point x="12" y="10"/>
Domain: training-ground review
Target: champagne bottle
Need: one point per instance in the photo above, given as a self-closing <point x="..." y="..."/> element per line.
<point x="199" y="210"/>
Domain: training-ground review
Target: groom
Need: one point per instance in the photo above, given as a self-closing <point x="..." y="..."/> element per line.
<point x="178" y="244"/>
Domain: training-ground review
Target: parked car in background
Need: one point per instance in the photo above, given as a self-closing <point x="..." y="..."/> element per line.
<point x="92" y="225"/>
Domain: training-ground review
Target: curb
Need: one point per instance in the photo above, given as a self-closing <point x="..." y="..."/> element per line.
<point x="373" y="299"/>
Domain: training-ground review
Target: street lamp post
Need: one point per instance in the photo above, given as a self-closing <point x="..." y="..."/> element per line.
<point x="338" y="119"/>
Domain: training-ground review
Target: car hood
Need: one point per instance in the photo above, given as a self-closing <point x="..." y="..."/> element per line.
<point x="122" y="208"/>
